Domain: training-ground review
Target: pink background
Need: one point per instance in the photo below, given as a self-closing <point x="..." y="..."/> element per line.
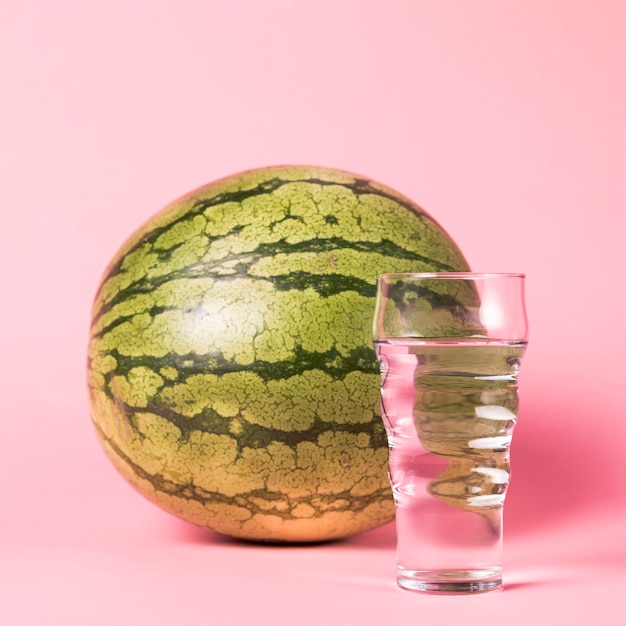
<point x="505" y="120"/>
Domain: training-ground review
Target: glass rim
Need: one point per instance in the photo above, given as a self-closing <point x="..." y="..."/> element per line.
<point x="450" y="275"/>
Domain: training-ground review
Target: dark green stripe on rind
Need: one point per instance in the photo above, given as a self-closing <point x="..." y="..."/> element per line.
<point x="358" y="187"/>
<point x="252" y="435"/>
<point x="321" y="503"/>
<point x="330" y="362"/>
<point x="242" y="265"/>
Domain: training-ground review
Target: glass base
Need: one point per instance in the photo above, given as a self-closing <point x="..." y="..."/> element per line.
<point x="450" y="581"/>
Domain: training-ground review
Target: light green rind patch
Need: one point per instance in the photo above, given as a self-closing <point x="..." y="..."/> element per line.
<point x="137" y="387"/>
<point x="169" y="373"/>
<point x="349" y="401"/>
<point x="181" y="257"/>
<point x="133" y="268"/>
<point x="229" y="218"/>
<point x="183" y="293"/>
<point x="100" y="364"/>
<point x="331" y="322"/>
<point x="298" y="397"/>
<point x="181" y="233"/>
<point x="224" y="394"/>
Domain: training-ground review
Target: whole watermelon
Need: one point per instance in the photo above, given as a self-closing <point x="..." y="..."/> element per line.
<point x="231" y="372"/>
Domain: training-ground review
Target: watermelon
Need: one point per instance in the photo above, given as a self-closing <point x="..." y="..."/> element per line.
<point x="231" y="373"/>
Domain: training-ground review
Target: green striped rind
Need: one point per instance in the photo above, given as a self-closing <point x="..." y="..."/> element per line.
<point x="231" y="370"/>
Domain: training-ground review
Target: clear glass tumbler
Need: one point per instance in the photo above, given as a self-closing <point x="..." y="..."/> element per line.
<point x="450" y="346"/>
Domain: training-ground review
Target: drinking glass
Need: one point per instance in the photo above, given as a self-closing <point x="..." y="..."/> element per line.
<point x="450" y="347"/>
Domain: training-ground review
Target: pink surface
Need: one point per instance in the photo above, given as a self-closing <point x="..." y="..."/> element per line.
<point x="504" y="120"/>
